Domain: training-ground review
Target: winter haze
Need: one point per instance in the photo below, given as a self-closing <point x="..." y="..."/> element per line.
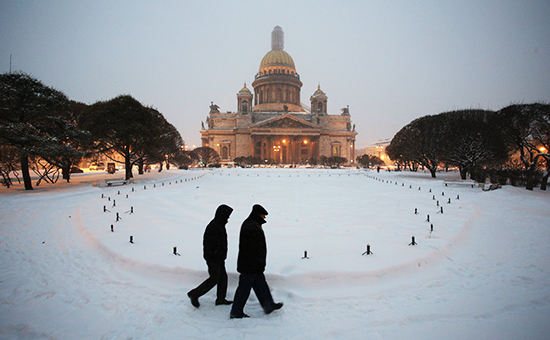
<point x="390" y="61"/>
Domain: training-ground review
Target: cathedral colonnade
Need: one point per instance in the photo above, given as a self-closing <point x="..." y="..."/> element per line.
<point x="285" y="149"/>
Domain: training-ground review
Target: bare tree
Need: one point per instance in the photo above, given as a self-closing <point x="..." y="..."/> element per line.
<point x="207" y="155"/>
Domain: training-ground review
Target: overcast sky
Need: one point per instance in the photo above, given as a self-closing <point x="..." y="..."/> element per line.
<point x="390" y="61"/>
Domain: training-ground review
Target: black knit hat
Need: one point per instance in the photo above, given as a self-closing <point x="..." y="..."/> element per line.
<point x="259" y="210"/>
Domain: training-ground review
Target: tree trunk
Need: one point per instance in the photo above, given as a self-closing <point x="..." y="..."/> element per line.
<point x="66" y="171"/>
<point x="530" y="180"/>
<point x="545" y="180"/>
<point x="25" y="172"/>
<point x="140" y="166"/>
<point x="128" y="167"/>
<point x="463" y="172"/>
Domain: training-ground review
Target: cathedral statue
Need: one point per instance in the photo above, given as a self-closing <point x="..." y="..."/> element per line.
<point x="345" y="111"/>
<point x="214" y="108"/>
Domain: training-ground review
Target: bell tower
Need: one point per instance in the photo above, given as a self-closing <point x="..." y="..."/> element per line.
<point x="244" y="100"/>
<point x="319" y="101"/>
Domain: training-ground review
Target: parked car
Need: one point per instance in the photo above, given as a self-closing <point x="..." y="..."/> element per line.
<point x="97" y="166"/>
<point x="75" y="170"/>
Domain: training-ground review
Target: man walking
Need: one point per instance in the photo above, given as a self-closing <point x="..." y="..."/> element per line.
<point x="251" y="265"/>
<point x="215" y="253"/>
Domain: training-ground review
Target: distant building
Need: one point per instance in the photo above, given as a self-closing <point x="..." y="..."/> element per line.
<point x="378" y="149"/>
<point x="273" y="124"/>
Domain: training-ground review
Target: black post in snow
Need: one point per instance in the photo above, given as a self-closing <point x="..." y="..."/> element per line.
<point x="305" y="255"/>
<point x="131" y="239"/>
<point x="413" y="243"/>
<point x="368" y="252"/>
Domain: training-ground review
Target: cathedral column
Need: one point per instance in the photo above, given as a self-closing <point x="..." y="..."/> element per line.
<point x="293" y="150"/>
<point x="270" y="147"/>
<point x="297" y="150"/>
<point x="262" y="148"/>
<point x="253" y="146"/>
<point x="353" y="150"/>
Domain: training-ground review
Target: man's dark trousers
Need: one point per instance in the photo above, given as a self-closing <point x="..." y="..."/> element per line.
<point x="246" y="283"/>
<point x="217" y="276"/>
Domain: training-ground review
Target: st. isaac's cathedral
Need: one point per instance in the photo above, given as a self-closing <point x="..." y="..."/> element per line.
<point x="273" y="124"/>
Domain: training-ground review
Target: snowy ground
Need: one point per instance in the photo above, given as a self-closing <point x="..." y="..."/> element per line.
<point x="484" y="272"/>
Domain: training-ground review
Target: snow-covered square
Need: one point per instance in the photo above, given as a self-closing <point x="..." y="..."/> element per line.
<point x="483" y="272"/>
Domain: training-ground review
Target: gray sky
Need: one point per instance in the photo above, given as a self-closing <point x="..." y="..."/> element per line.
<point x="390" y="61"/>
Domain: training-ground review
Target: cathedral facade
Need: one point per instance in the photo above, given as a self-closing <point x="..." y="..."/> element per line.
<point x="273" y="124"/>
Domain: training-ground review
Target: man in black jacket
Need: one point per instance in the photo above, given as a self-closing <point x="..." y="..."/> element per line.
<point x="215" y="253"/>
<point x="251" y="265"/>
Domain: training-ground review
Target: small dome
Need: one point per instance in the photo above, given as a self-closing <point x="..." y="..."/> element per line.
<point x="244" y="89"/>
<point x="318" y="92"/>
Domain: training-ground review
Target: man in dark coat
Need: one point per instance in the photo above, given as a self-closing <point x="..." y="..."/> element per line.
<point x="251" y="265"/>
<point x="215" y="253"/>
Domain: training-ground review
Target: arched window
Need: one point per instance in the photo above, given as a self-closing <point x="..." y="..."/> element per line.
<point x="225" y="152"/>
<point x="320" y="107"/>
<point x="245" y="106"/>
<point x="336" y="150"/>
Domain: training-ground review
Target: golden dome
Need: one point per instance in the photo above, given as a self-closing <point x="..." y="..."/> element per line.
<point x="244" y="89"/>
<point x="277" y="58"/>
<point x="319" y="91"/>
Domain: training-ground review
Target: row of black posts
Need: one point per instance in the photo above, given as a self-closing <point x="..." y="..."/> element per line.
<point x="440" y="211"/>
<point x="131" y="211"/>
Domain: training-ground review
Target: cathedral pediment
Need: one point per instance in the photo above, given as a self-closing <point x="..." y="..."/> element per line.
<point x="285" y="121"/>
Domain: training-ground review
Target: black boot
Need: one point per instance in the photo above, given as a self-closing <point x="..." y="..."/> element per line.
<point x="273" y="307"/>
<point x="223" y="302"/>
<point x="194" y="300"/>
